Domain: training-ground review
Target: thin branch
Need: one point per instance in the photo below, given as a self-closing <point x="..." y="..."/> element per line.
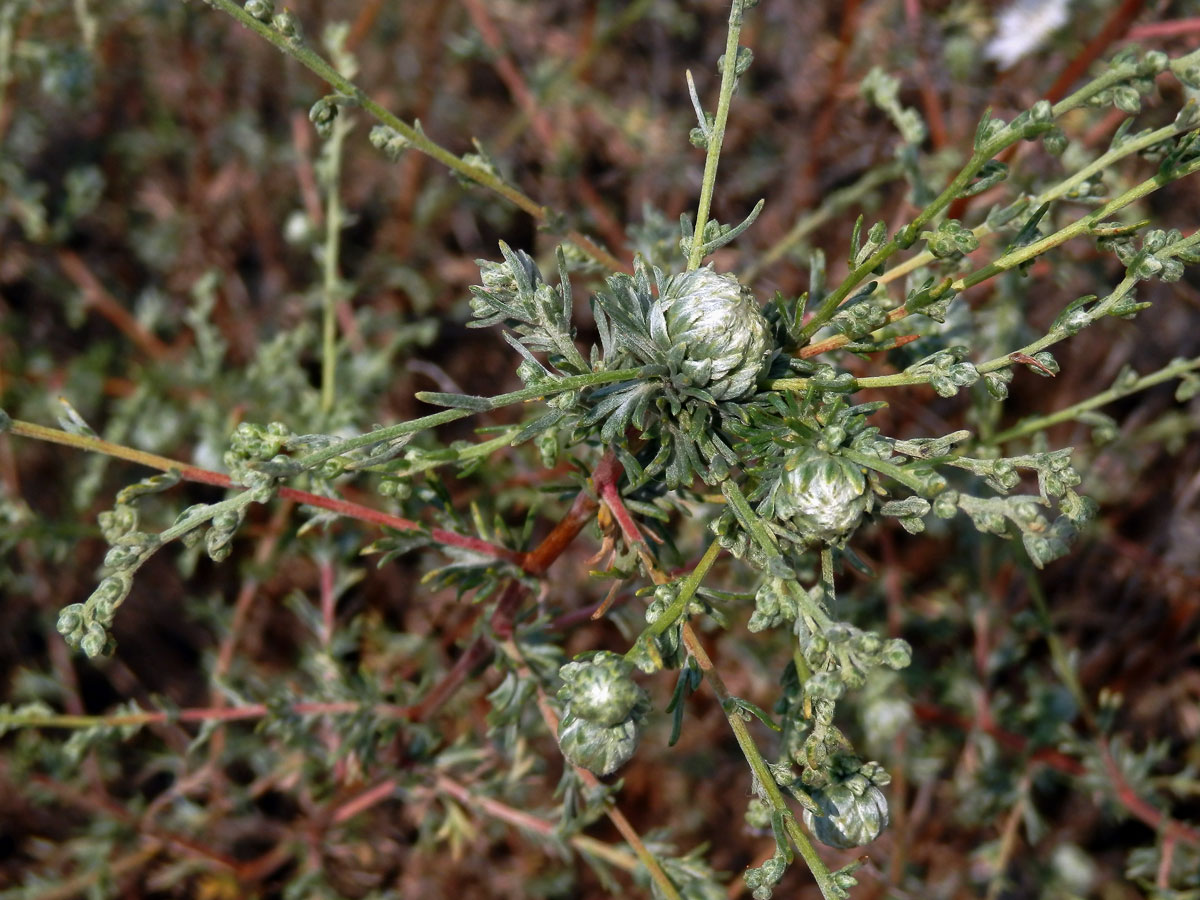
<point x="527" y="822"/>
<point x="716" y="136"/>
<point x="622" y="824"/>
<point x="218" y="479"/>
<point x="416" y="138"/>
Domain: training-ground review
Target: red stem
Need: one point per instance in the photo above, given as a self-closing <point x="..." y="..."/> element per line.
<point x="605" y="477"/>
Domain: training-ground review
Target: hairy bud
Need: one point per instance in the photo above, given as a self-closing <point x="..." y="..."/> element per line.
<point x="727" y="339"/>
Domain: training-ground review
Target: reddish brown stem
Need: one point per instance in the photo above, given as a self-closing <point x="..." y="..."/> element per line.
<point x="97" y="297"/>
<point x="475" y="655"/>
<point x="219" y="479"/>
<point x="1164" y="29"/>
<point x="1140" y="808"/>
<point x="605" y="477"/>
<point x="1116" y="26"/>
<point x="535" y="562"/>
<point x="582" y="510"/>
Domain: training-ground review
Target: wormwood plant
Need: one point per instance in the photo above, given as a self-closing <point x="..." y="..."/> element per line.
<point x="726" y="446"/>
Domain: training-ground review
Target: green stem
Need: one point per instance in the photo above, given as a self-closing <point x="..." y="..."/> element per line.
<point x="687" y="590"/>
<point x="1173" y="370"/>
<point x="832" y="203"/>
<point x="116" y="451"/>
<point x="1016" y="257"/>
<point x="717" y="136"/>
<point x="759" y="767"/>
<point x="193" y="473"/>
<point x="17" y="718"/>
<point x="1126" y="286"/>
<point x="829" y="306"/>
<point x="982" y="155"/>
<point x="218" y="479"/>
<point x="329" y="263"/>
<point x="1101" y="309"/>
<point x="892" y="470"/>
<point x="827" y="574"/>
<point x="1082" y="226"/>
<point x="480" y="450"/>
<point x="416" y="138"/>
<point x="1113" y="76"/>
<point x="753" y="523"/>
<point x="1054" y="193"/>
<point x="537" y="392"/>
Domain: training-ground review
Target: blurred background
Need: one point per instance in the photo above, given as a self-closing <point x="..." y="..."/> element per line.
<point x="162" y="207"/>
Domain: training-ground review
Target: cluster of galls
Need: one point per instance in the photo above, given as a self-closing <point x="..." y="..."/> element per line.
<point x="716" y="330"/>
<point x="603" y="712"/>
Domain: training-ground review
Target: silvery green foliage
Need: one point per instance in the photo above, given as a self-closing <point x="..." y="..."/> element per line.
<point x="762" y="879"/>
<point x="86" y="626"/>
<point x="726" y="339"/>
<point x="514" y="293"/>
<point x="823" y="496"/>
<point x="703" y="343"/>
<point x="604" y="712"/>
<point x="810" y="465"/>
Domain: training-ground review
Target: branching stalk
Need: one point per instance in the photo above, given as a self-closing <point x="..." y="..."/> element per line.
<point x="1035" y="424"/>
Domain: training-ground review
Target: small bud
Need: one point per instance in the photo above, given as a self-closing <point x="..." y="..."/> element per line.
<point x="70" y="619"/>
<point x="95" y="641"/>
<point x="389" y="141"/>
<point x="260" y="9"/>
<point x="742" y="61"/>
<point x="288" y="25"/>
<point x="897" y="654"/>
<point x="322" y="115"/>
<point x="1055" y="141"/>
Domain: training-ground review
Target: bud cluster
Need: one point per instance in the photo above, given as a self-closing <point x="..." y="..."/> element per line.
<point x="604" y="711"/>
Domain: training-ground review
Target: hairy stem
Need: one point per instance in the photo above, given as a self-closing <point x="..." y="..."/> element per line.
<point x="1029" y="426"/>
<point x="330" y="282"/>
<point x="758" y="765"/>
<point x="717" y="136"/>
